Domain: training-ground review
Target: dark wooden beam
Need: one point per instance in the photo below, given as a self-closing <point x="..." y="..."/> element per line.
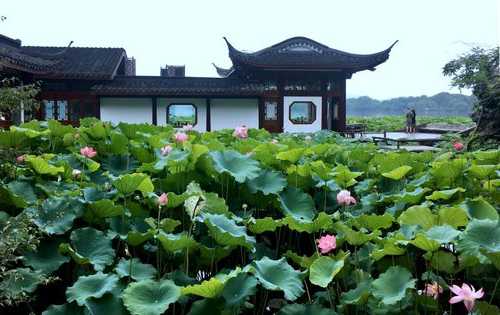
<point x="154" y="102"/>
<point x="208" y="105"/>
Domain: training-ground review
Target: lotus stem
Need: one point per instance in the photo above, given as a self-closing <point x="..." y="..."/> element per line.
<point x="158" y="249"/>
<point x="494" y="291"/>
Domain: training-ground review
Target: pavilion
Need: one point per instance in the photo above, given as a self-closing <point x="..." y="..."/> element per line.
<point x="297" y="85"/>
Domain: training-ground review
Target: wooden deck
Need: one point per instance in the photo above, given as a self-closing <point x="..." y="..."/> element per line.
<point x="416" y="142"/>
<point x="409" y="148"/>
<point x="403" y="136"/>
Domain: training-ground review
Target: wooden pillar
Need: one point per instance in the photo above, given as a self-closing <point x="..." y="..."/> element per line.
<point x="154" y="102"/>
<point x="342" y="106"/>
<point x="324" y="107"/>
<point x="208" y="105"/>
<point x="21" y="109"/>
<point x="97" y="108"/>
<point x="339" y="103"/>
<point x="281" y="105"/>
<point x="261" y="112"/>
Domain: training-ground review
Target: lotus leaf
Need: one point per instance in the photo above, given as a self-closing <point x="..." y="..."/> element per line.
<point x="391" y="286"/>
<point x="95" y="285"/>
<point x="324" y="269"/>
<point x="278" y="275"/>
<point x="149" y="297"/>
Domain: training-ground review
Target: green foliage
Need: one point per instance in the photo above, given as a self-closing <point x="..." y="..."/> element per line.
<point x="478" y="70"/>
<point x="13" y="92"/>
<point x="239" y="233"/>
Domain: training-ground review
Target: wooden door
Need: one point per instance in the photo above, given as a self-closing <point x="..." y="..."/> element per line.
<point x="271" y="114"/>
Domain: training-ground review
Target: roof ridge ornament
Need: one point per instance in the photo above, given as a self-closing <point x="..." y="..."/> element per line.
<point x="393" y="44"/>
<point x="53" y="55"/>
<point x="301" y="47"/>
<point x="231" y="47"/>
<point x="223" y="72"/>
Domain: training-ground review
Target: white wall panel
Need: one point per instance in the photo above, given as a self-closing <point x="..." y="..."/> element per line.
<point x="229" y="113"/>
<point x="288" y="126"/>
<point x="129" y="110"/>
<point x="201" y="109"/>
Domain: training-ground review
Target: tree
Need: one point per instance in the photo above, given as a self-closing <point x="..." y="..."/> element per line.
<point x="478" y="70"/>
<point x="14" y="95"/>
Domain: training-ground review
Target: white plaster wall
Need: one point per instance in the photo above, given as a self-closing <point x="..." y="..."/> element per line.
<point x="229" y="113"/>
<point x="288" y="126"/>
<point x="129" y="110"/>
<point x="201" y="108"/>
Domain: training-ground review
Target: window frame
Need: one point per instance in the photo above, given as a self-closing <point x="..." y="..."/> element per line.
<point x="276" y="105"/>
<point x="195" y="114"/>
<point x="314" y="113"/>
<point x="55" y="109"/>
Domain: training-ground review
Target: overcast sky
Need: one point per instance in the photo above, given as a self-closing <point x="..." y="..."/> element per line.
<point x="190" y="32"/>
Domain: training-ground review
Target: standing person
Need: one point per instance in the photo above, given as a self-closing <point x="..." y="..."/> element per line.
<point x="409" y="120"/>
<point x="413" y="120"/>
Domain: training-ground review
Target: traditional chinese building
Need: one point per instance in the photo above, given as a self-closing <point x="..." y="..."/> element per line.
<point x="297" y="85"/>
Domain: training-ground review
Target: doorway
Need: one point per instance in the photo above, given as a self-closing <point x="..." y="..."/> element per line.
<point x="272" y="115"/>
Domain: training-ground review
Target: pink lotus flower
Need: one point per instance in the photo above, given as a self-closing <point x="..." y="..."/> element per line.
<point x="166" y="150"/>
<point x="241" y="132"/>
<point x="467" y="294"/>
<point x="163" y="199"/>
<point x="344" y="198"/>
<point x="458" y="146"/>
<point x="327" y="243"/>
<point x="433" y="290"/>
<point x="181" y="137"/>
<point x="88" y="152"/>
<point x="20" y="159"/>
<point x="187" y="127"/>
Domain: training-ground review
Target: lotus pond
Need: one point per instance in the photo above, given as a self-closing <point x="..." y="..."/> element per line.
<point x="134" y="219"/>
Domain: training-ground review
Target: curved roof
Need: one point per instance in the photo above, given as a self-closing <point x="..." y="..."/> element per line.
<point x="173" y="86"/>
<point x="81" y="62"/>
<point x="302" y="53"/>
<point x="60" y="62"/>
<point x="12" y="56"/>
<point x="222" y="72"/>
